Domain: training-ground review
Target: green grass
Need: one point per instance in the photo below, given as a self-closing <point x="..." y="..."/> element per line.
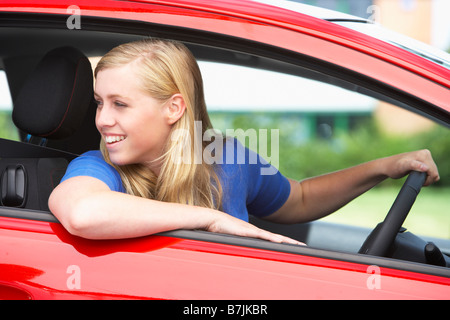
<point x="430" y="215"/>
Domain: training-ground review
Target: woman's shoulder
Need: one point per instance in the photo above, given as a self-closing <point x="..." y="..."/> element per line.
<point x="92" y="163"/>
<point x="236" y="153"/>
<point x="91" y="160"/>
<point x="96" y="154"/>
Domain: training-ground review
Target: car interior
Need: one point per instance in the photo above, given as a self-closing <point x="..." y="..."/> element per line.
<point x="50" y="80"/>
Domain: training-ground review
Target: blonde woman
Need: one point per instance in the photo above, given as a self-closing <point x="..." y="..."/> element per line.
<point x="148" y="177"/>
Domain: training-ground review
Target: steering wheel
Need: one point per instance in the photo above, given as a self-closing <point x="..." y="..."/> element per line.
<point x="382" y="237"/>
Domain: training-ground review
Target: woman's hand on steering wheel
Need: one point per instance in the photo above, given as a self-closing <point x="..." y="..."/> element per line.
<point x="404" y="163"/>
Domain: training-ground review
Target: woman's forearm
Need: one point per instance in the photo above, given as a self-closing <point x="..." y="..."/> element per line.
<point x="93" y="211"/>
<point x="317" y="197"/>
<point x="325" y="194"/>
<point x="113" y="215"/>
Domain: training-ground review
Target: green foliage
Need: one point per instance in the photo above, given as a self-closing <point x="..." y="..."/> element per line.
<point x="438" y="142"/>
<point x="300" y="157"/>
<point x="7" y="127"/>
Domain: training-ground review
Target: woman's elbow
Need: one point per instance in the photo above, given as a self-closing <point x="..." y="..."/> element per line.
<point x="78" y="224"/>
<point x="73" y="215"/>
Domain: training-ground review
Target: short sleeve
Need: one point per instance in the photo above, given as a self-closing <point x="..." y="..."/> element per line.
<point x="268" y="189"/>
<point x="92" y="164"/>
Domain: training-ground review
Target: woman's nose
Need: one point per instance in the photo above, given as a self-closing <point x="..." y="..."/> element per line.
<point x="104" y="117"/>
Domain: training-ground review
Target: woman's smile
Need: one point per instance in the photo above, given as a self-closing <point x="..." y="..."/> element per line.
<point x="113" y="139"/>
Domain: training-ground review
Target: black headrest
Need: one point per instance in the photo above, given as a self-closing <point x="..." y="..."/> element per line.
<point x="55" y="98"/>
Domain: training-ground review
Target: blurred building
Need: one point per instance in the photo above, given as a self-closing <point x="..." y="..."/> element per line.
<point x="413" y="19"/>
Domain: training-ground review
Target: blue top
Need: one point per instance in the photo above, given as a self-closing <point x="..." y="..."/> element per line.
<point x="250" y="184"/>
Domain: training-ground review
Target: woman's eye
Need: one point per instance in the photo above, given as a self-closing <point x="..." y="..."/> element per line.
<point x="119" y="104"/>
<point x="98" y="102"/>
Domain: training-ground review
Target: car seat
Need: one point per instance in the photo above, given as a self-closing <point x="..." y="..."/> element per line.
<point x="54" y="109"/>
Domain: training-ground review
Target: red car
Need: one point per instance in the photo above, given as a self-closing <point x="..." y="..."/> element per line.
<point x="39" y="259"/>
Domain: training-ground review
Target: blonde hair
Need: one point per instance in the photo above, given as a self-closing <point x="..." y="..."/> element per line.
<point x="167" y="68"/>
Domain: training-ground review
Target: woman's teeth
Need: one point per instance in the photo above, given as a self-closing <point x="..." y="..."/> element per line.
<point x="112" y="139"/>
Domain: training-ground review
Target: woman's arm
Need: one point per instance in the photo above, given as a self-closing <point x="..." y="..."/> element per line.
<point x="317" y="197"/>
<point x="86" y="207"/>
